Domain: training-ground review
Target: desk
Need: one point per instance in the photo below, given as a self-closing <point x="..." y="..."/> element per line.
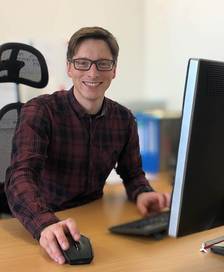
<point x="19" y="252"/>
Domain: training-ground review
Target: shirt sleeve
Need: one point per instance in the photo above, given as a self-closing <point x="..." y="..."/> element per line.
<point x="29" y="151"/>
<point x="130" y="165"/>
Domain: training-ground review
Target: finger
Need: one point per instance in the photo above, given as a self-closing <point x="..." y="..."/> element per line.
<point x="72" y="228"/>
<point x="143" y="209"/>
<point x="47" y="241"/>
<point x="54" y="251"/>
<point x="155" y="205"/>
<point x="162" y="200"/>
<point x="44" y="244"/>
<point x="168" y="199"/>
<point x="61" y="238"/>
<point x="148" y="203"/>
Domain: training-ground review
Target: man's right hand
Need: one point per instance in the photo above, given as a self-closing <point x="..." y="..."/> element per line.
<point x="55" y="234"/>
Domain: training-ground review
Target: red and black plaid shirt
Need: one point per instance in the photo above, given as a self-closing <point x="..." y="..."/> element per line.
<point x="61" y="157"/>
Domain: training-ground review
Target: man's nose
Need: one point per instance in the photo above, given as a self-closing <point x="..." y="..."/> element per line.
<point x="93" y="69"/>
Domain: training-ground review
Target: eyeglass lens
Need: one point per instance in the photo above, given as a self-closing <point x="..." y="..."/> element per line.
<point x="85" y="64"/>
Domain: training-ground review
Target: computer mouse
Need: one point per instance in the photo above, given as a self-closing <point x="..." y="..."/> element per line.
<point x="79" y="252"/>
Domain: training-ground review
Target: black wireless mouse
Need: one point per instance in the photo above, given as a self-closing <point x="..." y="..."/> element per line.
<point x="79" y="252"/>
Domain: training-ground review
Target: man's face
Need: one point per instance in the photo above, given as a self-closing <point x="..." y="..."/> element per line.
<point x="90" y="86"/>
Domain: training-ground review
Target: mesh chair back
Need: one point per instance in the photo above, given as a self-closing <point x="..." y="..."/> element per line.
<point x="19" y="63"/>
<point x="8" y="119"/>
<point x="22" y="63"/>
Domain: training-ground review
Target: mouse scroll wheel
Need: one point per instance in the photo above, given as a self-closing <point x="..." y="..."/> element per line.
<point x="77" y="245"/>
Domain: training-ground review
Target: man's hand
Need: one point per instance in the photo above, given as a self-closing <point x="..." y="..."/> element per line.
<point x="55" y="234"/>
<point x="149" y="202"/>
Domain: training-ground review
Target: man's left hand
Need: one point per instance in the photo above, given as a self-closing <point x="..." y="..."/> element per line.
<point x="150" y="202"/>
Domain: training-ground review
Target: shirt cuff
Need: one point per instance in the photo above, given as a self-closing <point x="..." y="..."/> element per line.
<point x="144" y="189"/>
<point x="44" y="220"/>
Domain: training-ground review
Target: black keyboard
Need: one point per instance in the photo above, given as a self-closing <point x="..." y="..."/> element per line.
<point x="152" y="225"/>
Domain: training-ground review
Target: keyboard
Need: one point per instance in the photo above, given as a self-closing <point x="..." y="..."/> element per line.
<point x="153" y="225"/>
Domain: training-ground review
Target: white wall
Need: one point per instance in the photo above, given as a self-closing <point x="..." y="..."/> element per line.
<point x="156" y="39"/>
<point x="175" y="31"/>
<point x="48" y="24"/>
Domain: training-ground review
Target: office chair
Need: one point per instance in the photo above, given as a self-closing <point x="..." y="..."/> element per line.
<point x="8" y="118"/>
<point x="19" y="63"/>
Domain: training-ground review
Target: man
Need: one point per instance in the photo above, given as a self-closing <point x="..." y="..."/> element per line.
<point x="66" y="144"/>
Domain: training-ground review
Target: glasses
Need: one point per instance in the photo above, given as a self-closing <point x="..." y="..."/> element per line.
<point x="83" y="64"/>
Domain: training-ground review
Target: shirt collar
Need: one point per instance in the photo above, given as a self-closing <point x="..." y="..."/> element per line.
<point x="79" y="109"/>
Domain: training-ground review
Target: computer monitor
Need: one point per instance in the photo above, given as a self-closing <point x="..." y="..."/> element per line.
<point x="198" y="193"/>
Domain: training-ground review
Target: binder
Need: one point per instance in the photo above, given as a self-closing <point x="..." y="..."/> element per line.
<point x="158" y="139"/>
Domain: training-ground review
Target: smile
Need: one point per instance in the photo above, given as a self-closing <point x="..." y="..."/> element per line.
<point x="91" y="83"/>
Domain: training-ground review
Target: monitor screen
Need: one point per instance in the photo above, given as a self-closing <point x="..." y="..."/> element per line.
<point x="198" y="193"/>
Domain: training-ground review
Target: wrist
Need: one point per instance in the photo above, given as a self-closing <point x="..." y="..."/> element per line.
<point x="145" y="189"/>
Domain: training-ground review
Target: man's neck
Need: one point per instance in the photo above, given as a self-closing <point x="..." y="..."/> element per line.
<point x="90" y="106"/>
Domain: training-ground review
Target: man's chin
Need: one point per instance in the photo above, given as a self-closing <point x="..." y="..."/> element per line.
<point x="93" y="94"/>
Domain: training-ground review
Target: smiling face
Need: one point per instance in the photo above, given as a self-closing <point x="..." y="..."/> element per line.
<point x="90" y="86"/>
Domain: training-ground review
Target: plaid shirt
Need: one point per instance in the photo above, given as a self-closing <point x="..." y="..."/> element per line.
<point x="61" y="157"/>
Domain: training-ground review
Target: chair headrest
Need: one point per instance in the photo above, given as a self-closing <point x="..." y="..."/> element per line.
<point x="22" y="63"/>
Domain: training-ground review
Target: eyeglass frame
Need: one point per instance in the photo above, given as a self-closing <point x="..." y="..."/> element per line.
<point x="91" y="63"/>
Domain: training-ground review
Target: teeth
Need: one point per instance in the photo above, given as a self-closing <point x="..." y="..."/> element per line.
<point x="91" y="83"/>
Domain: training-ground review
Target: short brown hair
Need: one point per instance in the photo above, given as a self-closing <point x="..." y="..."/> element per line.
<point x="95" y="32"/>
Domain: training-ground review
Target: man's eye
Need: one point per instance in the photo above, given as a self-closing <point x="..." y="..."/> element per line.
<point x="104" y="64"/>
<point x="82" y="63"/>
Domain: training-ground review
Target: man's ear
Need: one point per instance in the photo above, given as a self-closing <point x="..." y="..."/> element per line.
<point x="69" y="69"/>
<point x="115" y="71"/>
